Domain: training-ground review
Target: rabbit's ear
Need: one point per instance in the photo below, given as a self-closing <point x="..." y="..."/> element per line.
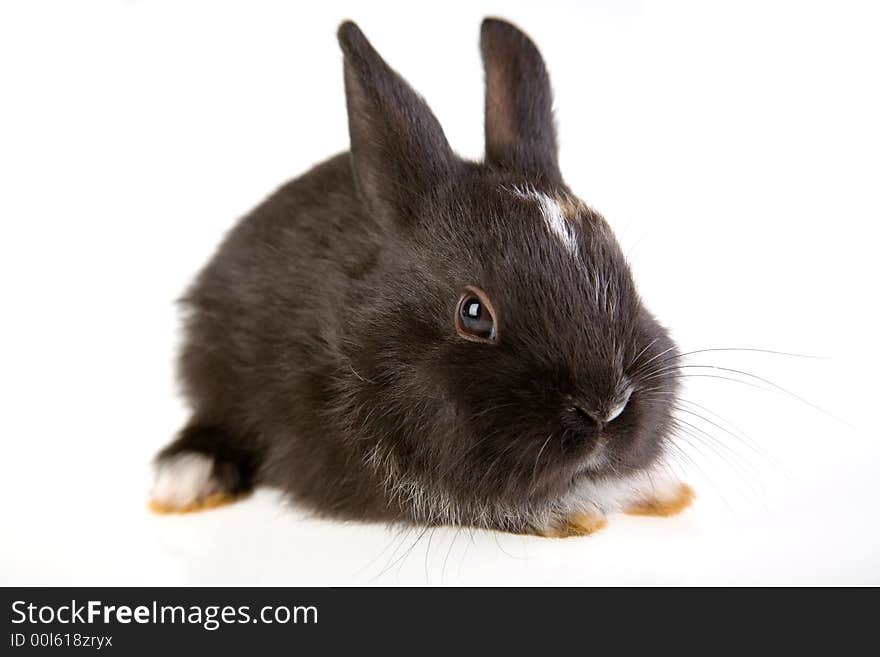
<point x="399" y="152"/>
<point x="520" y="134"/>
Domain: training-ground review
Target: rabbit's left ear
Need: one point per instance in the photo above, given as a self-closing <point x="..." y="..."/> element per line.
<point x="520" y="134"/>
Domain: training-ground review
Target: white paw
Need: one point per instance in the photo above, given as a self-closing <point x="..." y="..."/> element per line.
<point x="183" y="482"/>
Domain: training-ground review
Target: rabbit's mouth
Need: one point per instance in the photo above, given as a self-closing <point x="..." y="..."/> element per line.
<point x="597" y="459"/>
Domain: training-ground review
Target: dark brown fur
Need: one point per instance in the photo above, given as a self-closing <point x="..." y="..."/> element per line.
<point x="321" y="355"/>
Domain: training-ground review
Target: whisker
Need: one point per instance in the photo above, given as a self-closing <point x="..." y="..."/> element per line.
<point x="651" y="360"/>
<point x="512" y="556"/>
<point x="712" y="442"/>
<point x="405" y="554"/>
<point x="644" y="349"/>
<point x="384" y="550"/>
<point x="682" y="454"/>
<point x="741" y="349"/>
<point x="768" y="382"/>
<point x="466" y="547"/>
<point x="721" y="378"/>
<point x="744" y="437"/>
<point x="537" y="458"/>
<point x="674" y="401"/>
<point x="428" y="554"/>
<point x="773" y="352"/>
<point x="744" y="476"/>
<point x="400" y="539"/>
<point x="449" y="551"/>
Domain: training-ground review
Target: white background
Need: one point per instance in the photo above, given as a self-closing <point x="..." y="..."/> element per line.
<point x="734" y="148"/>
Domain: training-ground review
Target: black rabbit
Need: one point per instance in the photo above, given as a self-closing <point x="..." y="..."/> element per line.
<point x="403" y="335"/>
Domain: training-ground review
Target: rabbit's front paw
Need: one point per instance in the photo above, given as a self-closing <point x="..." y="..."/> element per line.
<point x="662" y="504"/>
<point x="575" y="524"/>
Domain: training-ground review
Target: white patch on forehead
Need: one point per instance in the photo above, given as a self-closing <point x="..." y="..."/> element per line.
<point x="557" y="223"/>
<point x="553" y="217"/>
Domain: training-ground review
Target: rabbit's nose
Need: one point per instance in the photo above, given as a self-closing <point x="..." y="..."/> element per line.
<point x="589" y="415"/>
<point x="605" y="413"/>
<point x="617" y="408"/>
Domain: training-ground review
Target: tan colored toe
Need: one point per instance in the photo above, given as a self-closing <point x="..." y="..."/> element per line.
<point x="577" y="524"/>
<point x="204" y="504"/>
<point x="663" y="507"/>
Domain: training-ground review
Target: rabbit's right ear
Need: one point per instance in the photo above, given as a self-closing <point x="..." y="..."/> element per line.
<point x="398" y="149"/>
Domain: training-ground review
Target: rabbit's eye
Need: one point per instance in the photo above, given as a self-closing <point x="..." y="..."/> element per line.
<point x="475" y="319"/>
